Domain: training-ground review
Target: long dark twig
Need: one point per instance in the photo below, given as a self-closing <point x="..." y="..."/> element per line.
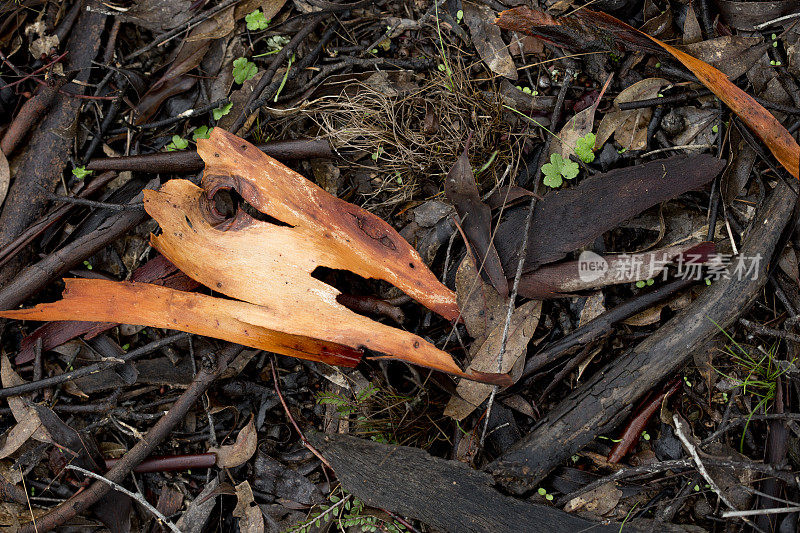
<point x="90" y="369"/>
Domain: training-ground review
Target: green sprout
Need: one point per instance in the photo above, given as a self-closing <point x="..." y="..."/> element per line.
<point x="88" y="265"/>
<point x="220" y="112"/>
<point x="459" y="16"/>
<point x="645" y="435"/>
<point x="377" y="153"/>
<point x="559" y="168"/>
<point x="715" y="128"/>
<point x="256" y="21"/>
<point x="277" y="42"/>
<point x="243" y="70"/>
<point x="584" y="147"/>
<point x="177" y="143"/>
<point x="80" y="172"/>
<point x="201" y="133"/>
<point x="285" y="77"/>
<point x="126" y="347"/>
<point x="543" y="492"/>
<point x="641" y="284"/>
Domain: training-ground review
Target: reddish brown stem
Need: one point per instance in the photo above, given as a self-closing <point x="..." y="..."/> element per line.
<point x="635" y="427"/>
<point x="171" y="463"/>
<point x="29" y="114"/>
<point x="291" y="418"/>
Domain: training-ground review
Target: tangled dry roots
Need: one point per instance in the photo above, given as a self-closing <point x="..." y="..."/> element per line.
<point x="401" y="138"/>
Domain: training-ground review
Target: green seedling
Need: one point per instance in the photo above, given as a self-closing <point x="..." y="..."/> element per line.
<point x="584" y="147"/>
<point x="243" y="70"/>
<point x="543" y="492"/>
<point x="88" y="265"/>
<point x="645" y="435"/>
<point x="126" y="347"/>
<point x="347" y="513"/>
<point x="715" y="128"/>
<point x="377" y="153"/>
<point x="761" y="375"/>
<point x="256" y="21"/>
<point x="641" y="284"/>
<point x="177" y="143"/>
<point x="459" y="16"/>
<point x="559" y="169"/>
<point x="201" y="133"/>
<point x="285" y="77"/>
<point x="487" y="164"/>
<point x="80" y="172"/>
<point x="220" y="112"/>
<point x="277" y="42"/>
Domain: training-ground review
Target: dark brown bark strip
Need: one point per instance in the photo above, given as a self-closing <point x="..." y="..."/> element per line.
<point x="605" y="400"/>
<point x="211" y="368"/>
<point x="51" y="143"/>
<point x="185" y="161"/>
<point x="445" y="494"/>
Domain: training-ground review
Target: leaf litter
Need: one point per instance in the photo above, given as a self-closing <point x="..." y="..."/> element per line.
<point x="427" y="135"/>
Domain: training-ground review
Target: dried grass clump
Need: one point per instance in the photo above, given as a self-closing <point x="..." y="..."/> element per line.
<point x="381" y="130"/>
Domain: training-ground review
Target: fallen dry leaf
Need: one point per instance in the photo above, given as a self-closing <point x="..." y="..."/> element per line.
<point x="586" y="29"/>
<point x="731" y="54"/>
<point x="476" y="219"/>
<point x="567" y="219"/>
<point x="488" y="41"/>
<point x="238" y="453"/>
<point x="248" y="513"/>
<point x="18" y="435"/>
<point x="482" y="307"/>
<point x="266" y="267"/>
<point x="600" y="500"/>
<point x="470" y="393"/>
<point x="21" y="410"/>
<point x="629" y="127"/>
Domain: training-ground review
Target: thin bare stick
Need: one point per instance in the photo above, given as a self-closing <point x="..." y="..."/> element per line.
<point x="291" y="418"/>
<point x="523" y="252"/>
<point x="691" y="449"/>
<point x="135" y="495"/>
<point x="755" y="512"/>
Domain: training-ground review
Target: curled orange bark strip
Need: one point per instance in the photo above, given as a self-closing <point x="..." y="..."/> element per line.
<point x="266" y="266"/>
<point x="591" y="29"/>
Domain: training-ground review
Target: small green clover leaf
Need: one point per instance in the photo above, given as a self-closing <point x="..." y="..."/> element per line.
<point x="243" y="70"/>
<point x="557" y="169"/>
<point x="80" y="172"/>
<point x="584" y="147"/>
<point x="220" y="112"/>
<point x="256" y="21"/>
<point x="201" y="133"/>
<point x="177" y="144"/>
